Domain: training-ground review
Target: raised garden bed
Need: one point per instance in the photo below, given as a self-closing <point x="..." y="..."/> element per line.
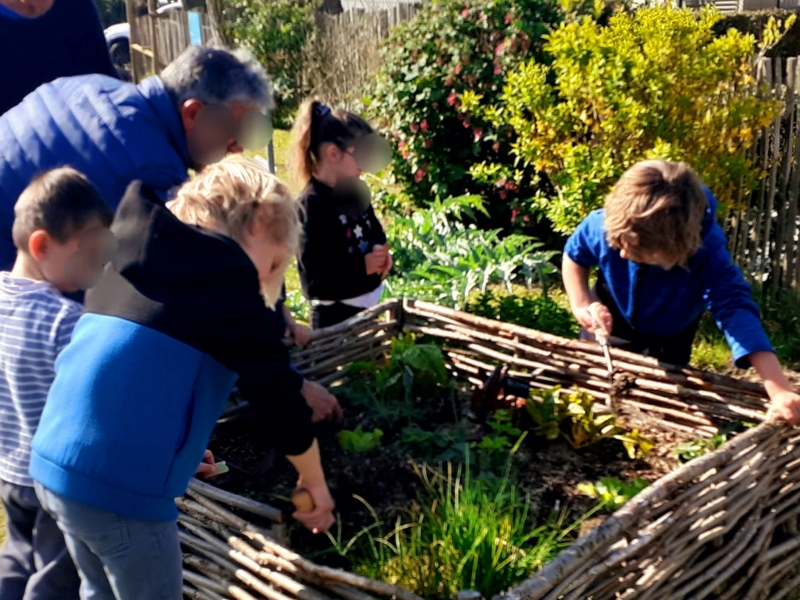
<point x="721" y="526"/>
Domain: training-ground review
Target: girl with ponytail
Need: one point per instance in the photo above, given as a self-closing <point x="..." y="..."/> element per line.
<point x="345" y="258"/>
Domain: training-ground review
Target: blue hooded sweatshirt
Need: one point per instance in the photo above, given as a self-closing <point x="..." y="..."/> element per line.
<point x="658" y="302"/>
<point x="112" y="132"/>
<point x="175" y="319"/>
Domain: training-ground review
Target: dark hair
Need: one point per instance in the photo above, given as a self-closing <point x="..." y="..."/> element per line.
<point x="61" y="202"/>
<point x="316" y="125"/>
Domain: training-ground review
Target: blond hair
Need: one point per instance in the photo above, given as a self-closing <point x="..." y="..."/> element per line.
<point x="236" y="195"/>
<point x="657" y="208"/>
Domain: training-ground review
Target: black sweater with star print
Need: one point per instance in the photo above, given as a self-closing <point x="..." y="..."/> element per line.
<point x="332" y="265"/>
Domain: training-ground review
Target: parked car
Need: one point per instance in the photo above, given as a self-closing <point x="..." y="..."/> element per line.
<point x="118" y="39"/>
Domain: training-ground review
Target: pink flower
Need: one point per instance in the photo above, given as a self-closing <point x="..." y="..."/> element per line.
<point x="502" y="194"/>
<point x="478" y="132"/>
<point x="451" y="99"/>
<point x="496" y="146"/>
<point x="526" y="218"/>
<point x="424" y="125"/>
<point x="414" y="127"/>
<point x="465" y="13"/>
<point x="509" y="18"/>
<point x="395" y="133"/>
<point x="458" y="69"/>
<point x="419" y="175"/>
<point x="498" y="69"/>
<point x="498" y="51"/>
<point x="467" y="125"/>
<point x="404" y="152"/>
<point x="401" y="145"/>
<point x="514" y="213"/>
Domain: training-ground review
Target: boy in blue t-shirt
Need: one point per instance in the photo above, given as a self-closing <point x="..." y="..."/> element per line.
<point x="662" y="261"/>
<point x="57" y="214"/>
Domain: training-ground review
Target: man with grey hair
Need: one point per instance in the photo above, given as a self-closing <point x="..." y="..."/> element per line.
<point x="206" y="103"/>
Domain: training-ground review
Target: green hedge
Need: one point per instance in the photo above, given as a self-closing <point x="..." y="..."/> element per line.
<point x="753" y="22"/>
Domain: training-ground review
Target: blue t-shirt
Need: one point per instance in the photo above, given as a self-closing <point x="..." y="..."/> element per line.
<point x="67" y="40"/>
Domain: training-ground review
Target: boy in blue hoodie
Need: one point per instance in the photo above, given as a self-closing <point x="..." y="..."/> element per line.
<point x="662" y="261"/>
<point x="177" y="316"/>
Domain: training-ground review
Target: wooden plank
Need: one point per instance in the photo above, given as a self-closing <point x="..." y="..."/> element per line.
<point x="773" y="176"/>
<point x="765" y="75"/>
<point x="787" y="148"/>
<point x="794" y="190"/>
<point x="785" y="137"/>
<point x="130" y="15"/>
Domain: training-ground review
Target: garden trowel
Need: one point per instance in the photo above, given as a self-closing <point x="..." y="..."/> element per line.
<point x="601" y="335"/>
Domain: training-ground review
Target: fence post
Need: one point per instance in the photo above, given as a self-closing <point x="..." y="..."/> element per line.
<point x="794" y="189"/>
<point x="152" y="15"/>
<point x="131" y="16"/>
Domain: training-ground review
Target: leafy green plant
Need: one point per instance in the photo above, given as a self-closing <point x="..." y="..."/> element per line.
<point x="439" y="258"/>
<point x="528" y="308"/>
<point x="614" y="95"/>
<point x="570" y="414"/>
<point x="358" y="440"/>
<point x="390" y="388"/>
<point x="276" y="31"/>
<point x="453" y="46"/>
<point x="611" y="492"/>
<point x="442" y="445"/>
<point x="462" y="535"/>
<point x="698" y="447"/>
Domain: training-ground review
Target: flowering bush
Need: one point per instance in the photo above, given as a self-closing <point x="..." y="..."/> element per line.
<point x="653" y="83"/>
<point x="450" y="47"/>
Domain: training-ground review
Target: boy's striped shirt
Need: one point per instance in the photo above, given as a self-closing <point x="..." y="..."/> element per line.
<point x="36" y="323"/>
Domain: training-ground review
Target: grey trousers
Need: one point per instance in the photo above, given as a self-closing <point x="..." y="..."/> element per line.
<point x="34" y="561"/>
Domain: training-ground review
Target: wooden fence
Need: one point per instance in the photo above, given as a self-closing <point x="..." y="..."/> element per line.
<point x="764" y="231"/>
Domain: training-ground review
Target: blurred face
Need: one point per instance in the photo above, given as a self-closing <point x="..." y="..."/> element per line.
<point x="78" y="263"/>
<point x="212" y="131"/>
<point x="271" y="261"/>
<point x="28" y="8"/>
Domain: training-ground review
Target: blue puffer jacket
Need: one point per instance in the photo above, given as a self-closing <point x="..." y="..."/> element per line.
<point x="659" y="302"/>
<point x="113" y="132"/>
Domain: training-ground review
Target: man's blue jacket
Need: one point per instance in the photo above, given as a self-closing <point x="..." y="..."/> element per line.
<point x="113" y="132"/>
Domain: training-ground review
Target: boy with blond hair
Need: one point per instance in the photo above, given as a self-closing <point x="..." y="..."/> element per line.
<point x="53" y="218"/>
<point x="179" y="314"/>
<point x="662" y="262"/>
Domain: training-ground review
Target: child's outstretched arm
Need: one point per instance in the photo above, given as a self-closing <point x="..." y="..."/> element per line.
<point x="729" y="299"/>
<point x="785" y="401"/>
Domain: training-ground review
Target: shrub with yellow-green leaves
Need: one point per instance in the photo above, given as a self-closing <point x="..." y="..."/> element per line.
<point x="654" y="83"/>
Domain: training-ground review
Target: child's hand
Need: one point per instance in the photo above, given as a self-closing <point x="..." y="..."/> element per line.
<point x="320" y="519"/>
<point x="300" y="333"/>
<point x="376" y="261"/>
<point x="208" y="466"/>
<point x="595" y="318"/>
<point x="324" y="405"/>
<point x="786" y="405"/>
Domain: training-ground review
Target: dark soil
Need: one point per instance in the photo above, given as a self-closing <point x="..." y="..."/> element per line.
<point x="385" y="479"/>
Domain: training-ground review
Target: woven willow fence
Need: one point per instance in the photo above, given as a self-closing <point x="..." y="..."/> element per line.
<point x="723" y="526"/>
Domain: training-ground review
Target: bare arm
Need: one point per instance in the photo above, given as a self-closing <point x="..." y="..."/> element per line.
<point x="312" y="479"/>
<point x="576" y="284"/>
